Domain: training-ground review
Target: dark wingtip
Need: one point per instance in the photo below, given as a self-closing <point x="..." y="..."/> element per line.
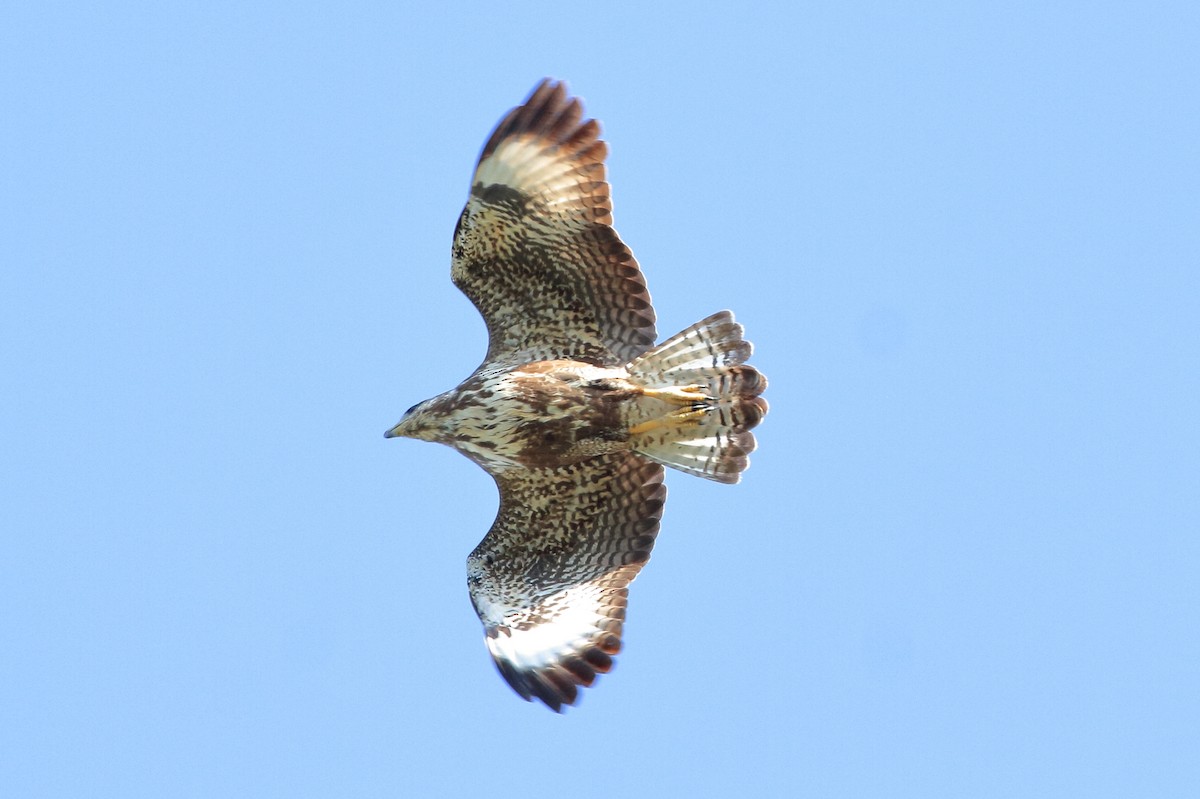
<point x="557" y="685"/>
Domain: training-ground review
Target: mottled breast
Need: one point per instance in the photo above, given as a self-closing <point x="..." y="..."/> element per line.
<point x="544" y="414"/>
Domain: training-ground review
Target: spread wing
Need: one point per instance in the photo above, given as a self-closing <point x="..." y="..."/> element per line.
<point x="535" y="250"/>
<point x="549" y="581"/>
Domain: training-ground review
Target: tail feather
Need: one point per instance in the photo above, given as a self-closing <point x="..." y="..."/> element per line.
<point x="715" y="444"/>
<point x="721" y="456"/>
<point x="703" y="350"/>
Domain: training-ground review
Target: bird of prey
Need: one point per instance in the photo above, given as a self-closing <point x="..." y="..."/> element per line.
<point x="574" y="410"/>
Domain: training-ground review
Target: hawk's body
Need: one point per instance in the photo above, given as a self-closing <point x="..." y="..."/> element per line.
<point x="572" y="410"/>
<point x="546" y="413"/>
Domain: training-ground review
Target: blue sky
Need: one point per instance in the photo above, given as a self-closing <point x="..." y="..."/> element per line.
<point x="963" y="238"/>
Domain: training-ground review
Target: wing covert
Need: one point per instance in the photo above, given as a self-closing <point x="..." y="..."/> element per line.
<point x="550" y="579"/>
<point x="534" y="248"/>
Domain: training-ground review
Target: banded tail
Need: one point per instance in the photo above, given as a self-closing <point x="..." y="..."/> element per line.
<point x="704" y="370"/>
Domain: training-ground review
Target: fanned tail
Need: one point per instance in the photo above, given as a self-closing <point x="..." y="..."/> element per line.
<point x="703" y="400"/>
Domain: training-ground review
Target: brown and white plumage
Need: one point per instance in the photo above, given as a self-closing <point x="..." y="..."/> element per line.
<point x="573" y="410"/>
<point x="549" y="579"/>
<point x="535" y="250"/>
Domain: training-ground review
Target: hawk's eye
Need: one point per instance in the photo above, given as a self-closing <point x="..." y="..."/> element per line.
<point x="413" y="408"/>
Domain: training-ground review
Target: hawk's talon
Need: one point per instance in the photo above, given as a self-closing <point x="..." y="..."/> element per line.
<point x="678" y="418"/>
<point x="678" y="395"/>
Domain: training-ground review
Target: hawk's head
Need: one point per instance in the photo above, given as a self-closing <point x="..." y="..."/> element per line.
<point x="419" y="421"/>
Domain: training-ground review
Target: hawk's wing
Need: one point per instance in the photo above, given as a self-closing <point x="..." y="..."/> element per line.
<point x="535" y="250"/>
<point x="549" y="579"/>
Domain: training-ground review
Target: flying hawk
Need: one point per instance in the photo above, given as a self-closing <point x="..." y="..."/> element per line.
<point x="573" y="411"/>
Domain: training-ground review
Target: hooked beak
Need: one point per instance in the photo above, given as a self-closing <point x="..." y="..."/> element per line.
<point x="411" y="425"/>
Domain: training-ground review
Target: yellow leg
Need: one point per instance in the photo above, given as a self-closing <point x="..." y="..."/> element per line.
<point x="677" y="419"/>
<point x="679" y="395"/>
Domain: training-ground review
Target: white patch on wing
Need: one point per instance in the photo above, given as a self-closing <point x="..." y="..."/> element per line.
<point x="530" y="167"/>
<point x="517" y="163"/>
<point x="575" y="620"/>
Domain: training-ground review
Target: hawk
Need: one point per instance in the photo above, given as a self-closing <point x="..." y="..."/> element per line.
<point x="574" y="410"/>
